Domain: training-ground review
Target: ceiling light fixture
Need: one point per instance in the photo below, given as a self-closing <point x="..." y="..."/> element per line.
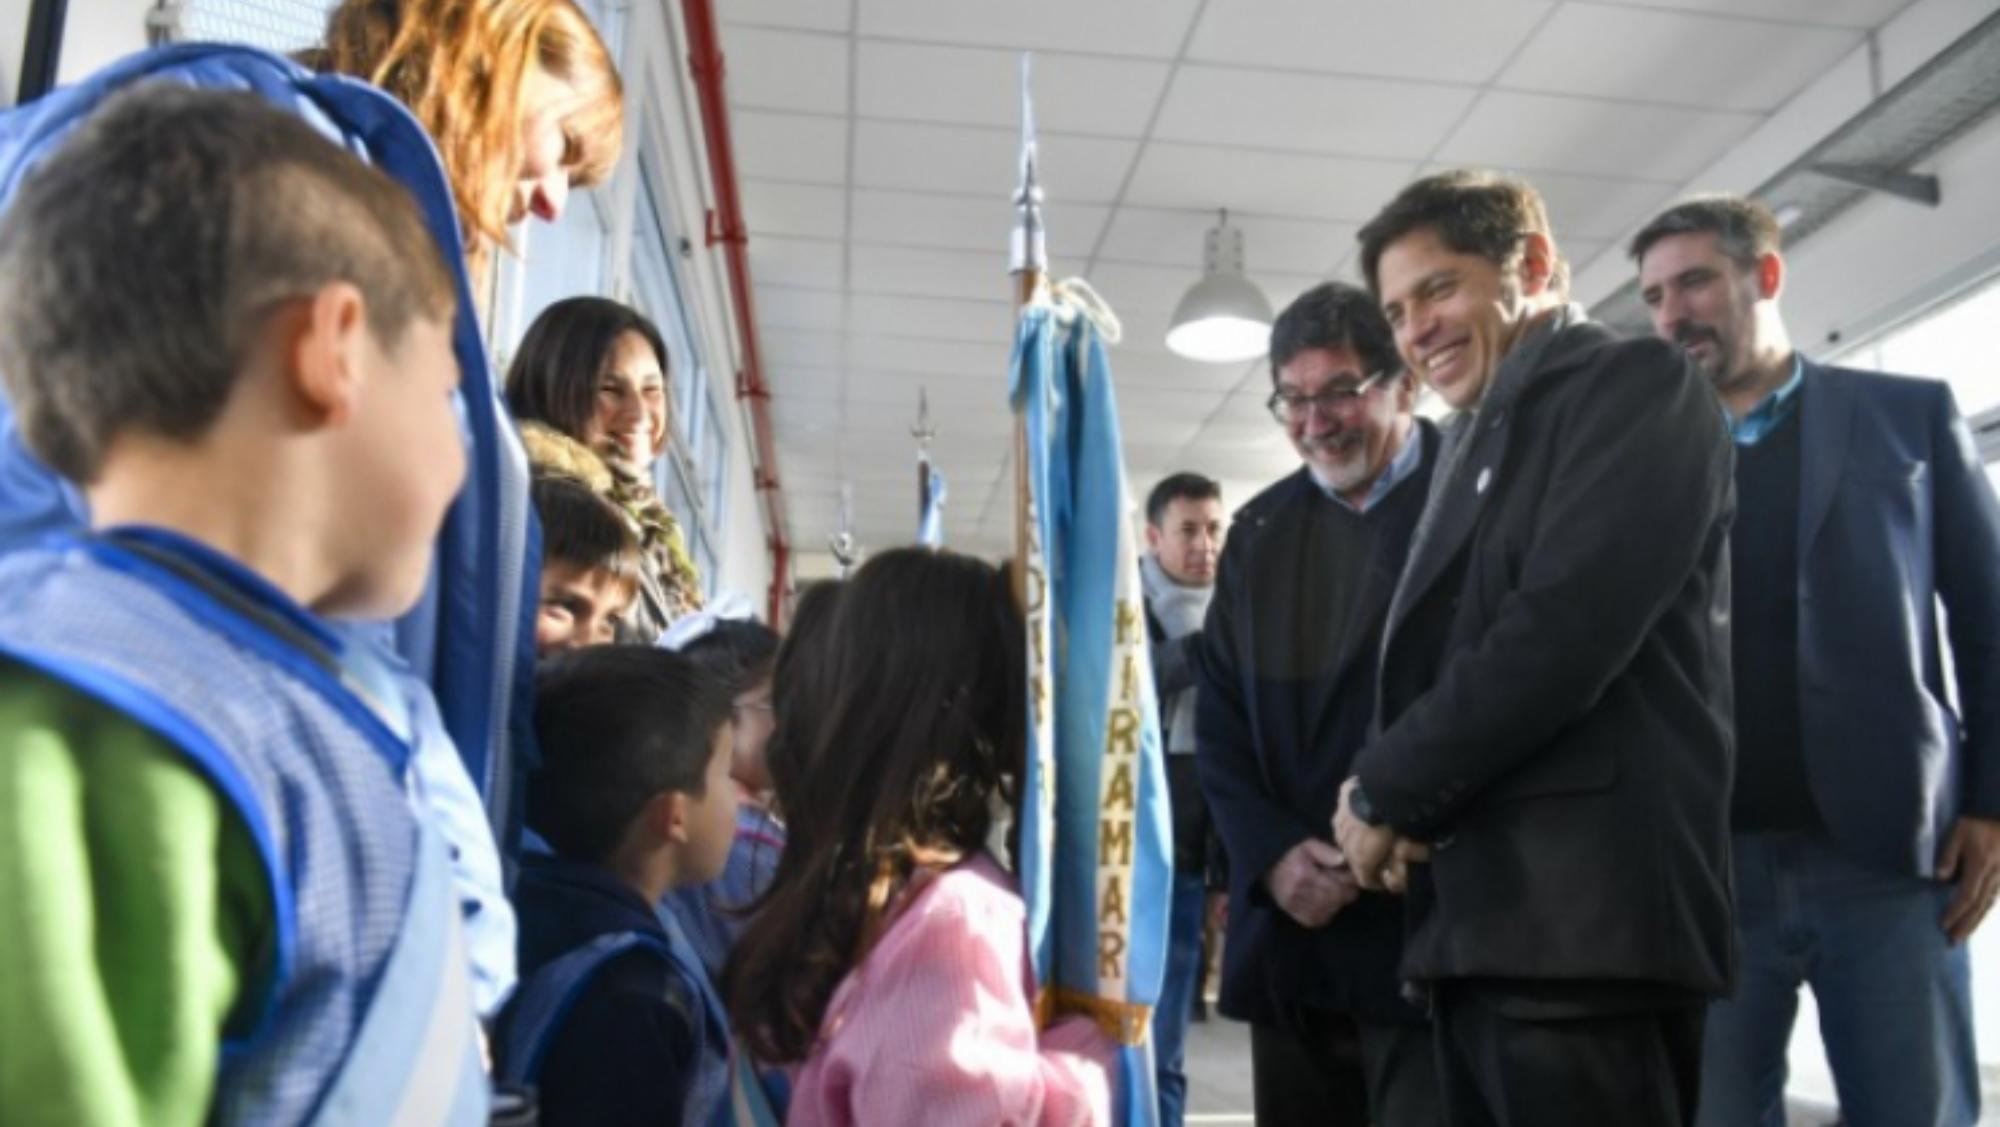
<point x="1224" y="317"/>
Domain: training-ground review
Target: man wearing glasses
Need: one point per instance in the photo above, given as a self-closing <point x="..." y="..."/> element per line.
<point x="1286" y="677"/>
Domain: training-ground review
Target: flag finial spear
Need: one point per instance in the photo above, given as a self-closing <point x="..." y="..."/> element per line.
<point x="1030" y="244"/>
<point x="842" y="543"/>
<point x="923" y="431"/>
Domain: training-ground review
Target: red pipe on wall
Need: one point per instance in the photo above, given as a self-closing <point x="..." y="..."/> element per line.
<point x="725" y="226"/>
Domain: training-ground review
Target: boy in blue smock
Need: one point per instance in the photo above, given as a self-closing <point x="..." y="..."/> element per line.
<point x="615" y="1021"/>
<point x="216" y="904"/>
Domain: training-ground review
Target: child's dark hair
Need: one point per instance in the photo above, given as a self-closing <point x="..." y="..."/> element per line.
<point x="140" y="263"/>
<point x="923" y="727"/>
<point x="739" y="651"/>
<point x="617" y="725"/>
<point x="799" y="682"/>
<point x="583" y="530"/>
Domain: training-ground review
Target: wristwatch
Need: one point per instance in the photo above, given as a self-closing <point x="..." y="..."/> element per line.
<point x="1359" y="806"/>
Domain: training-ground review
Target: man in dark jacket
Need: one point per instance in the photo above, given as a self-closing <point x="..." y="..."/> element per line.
<point x="1287" y="689"/>
<point x="1554" y="710"/>
<point x="1867" y="847"/>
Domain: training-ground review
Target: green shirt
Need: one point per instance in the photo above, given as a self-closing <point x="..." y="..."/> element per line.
<point x="133" y="915"/>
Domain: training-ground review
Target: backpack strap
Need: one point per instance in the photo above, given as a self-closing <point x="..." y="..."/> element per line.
<point x="546" y="997"/>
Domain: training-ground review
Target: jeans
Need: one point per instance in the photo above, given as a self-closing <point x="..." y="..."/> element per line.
<point x="1177" y="987"/>
<point x="1895" y="1001"/>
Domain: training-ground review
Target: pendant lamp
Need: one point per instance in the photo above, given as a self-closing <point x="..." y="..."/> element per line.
<point x="1224" y="317"/>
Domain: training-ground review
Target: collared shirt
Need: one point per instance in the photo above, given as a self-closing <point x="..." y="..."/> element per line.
<point x="1775" y="408"/>
<point x="1405" y="463"/>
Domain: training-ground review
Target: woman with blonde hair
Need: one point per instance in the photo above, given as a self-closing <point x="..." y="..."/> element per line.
<point x="520" y="96"/>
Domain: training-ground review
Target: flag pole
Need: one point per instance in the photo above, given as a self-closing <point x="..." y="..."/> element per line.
<point x="1028" y="264"/>
<point x="923" y="432"/>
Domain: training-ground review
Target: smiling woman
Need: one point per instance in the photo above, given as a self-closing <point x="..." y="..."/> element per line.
<point x="589" y="387"/>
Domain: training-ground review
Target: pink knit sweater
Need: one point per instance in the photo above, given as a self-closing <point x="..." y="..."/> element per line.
<point x="936" y="1027"/>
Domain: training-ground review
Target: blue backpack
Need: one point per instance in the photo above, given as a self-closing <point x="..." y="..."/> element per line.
<point x="546" y="997"/>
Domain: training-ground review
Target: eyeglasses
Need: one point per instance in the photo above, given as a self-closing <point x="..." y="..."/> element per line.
<point x="1290" y="407"/>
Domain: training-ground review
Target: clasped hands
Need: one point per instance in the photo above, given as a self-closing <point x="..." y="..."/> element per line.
<point x="1313" y="881"/>
<point x="1378" y="857"/>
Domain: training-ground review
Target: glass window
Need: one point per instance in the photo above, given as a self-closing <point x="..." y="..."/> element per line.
<point x="693" y="477"/>
<point x="282" y="26"/>
<point x="1952" y="341"/>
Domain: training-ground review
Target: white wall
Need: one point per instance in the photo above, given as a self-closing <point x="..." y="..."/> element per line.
<point x="13" y="40"/>
<point x="99" y="31"/>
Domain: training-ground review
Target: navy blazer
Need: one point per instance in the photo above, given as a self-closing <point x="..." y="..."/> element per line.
<point x="1895" y="515"/>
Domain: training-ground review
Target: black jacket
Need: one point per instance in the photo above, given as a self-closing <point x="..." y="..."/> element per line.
<point x="1555" y="707"/>
<point x="1282" y="710"/>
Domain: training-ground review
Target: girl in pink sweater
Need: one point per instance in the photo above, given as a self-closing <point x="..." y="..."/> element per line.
<point x="887" y="965"/>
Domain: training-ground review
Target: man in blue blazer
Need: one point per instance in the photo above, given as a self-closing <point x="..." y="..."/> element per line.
<point x="1866" y="845"/>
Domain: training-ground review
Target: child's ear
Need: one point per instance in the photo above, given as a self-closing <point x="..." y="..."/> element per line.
<point x="324" y="345"/>
<point x="667" y="815"/>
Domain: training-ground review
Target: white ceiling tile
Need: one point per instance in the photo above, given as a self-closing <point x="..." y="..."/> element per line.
<point x="963" y="222"/>
<point x="937" y="318"/>
<point x="928" y="273"/>
<point x="785" y="146"/>
<point x="1175" y="237"/>
<point x="816" y="385"/>
<point x="783" y="307"/>
<point x="1133" y="287"/>
<point x="1366" y="117"/>
<point x="802" y="349"/>
<point x="980" y="86"/>
<point x="786" y="70"/>
<point x="817" y="15"/>
<point x="905" y="156"/>
<point x="939" y="357"/>
<point x="1143" y="362"/>
<point x="812" y="210"/>
<point x="1150" y="28"/>
<point x="1592" y="207"/>
<point x="1203" y="177"/>
<point x="1454" y="41"/>
<point x="1676" y="58"/>
<point x="1605" y="138"/>
<point x="795" y="262"/>
<point x="1833" y="13"/>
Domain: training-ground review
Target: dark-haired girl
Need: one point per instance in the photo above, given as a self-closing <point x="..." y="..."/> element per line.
<point x="888" y="965"/>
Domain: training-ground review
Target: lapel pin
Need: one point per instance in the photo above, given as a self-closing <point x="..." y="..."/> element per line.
<point x="1485" y="479"/>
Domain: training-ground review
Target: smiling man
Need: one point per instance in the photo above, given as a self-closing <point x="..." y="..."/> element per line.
<point x="1867" y="847"/>
<point x="1554" y="682"/>
<point x="1287" y="676"/>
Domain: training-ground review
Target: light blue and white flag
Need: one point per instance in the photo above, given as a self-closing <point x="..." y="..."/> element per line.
<point x="930" y="504"/>
<point x="1096" y="852"/>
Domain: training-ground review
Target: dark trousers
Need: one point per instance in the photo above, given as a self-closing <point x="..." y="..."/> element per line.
<point x="1639" y="1068"/>
<point x="1331" y="1071"/>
